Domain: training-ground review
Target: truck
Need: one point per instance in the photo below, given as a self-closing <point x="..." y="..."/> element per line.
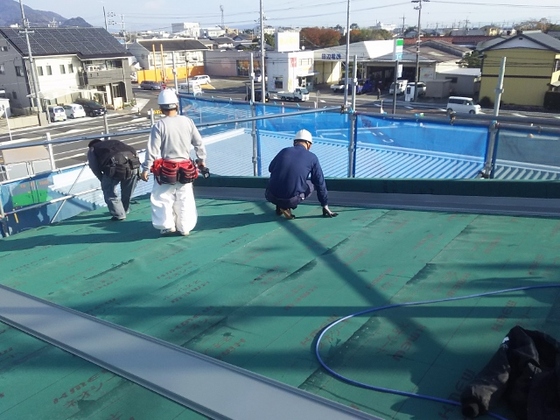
<point x="400" y="85"/>
<point x="299" y="95"/>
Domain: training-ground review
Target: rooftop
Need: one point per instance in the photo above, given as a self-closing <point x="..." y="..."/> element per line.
<point x="254" y="290"/>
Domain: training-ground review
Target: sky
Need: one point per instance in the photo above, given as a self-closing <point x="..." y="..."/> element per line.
<point x="158" y="15"/>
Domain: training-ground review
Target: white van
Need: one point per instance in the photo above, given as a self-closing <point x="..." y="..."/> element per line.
<point x="462" y="105"/>
<point x="74" y="111"/>
<point x="202" y="79"/>
<point x="192" y="87"/>
<point x="56" y="113"/>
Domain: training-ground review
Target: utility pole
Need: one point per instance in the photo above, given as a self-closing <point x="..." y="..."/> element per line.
<point x="32" y="70"/>
<point x="419" y="8"/>
<point x="123" y="30"/>
<point x="403" y="28"/>
<point x="222" y="11"/>
<point x="347" y="63"/>
<point x="107" y="22"/>
<point x="263" y="73"/>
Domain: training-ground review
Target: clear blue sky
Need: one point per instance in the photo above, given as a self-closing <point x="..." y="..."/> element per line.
<point x="160" y="14"/>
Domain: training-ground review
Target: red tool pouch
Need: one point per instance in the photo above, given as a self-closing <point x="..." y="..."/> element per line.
<point x="170" y="172"/>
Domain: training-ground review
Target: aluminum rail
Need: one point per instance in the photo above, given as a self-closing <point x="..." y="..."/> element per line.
<point x="4" y="146"/>
<point x="208" y="386"/>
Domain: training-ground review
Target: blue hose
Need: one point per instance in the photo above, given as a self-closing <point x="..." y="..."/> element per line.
<point x="398" y="305"/>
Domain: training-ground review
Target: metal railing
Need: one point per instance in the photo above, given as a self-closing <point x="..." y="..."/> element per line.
<point x="348" y="144"/>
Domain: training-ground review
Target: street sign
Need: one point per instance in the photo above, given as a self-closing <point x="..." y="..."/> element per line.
<point x="398" y="49"/>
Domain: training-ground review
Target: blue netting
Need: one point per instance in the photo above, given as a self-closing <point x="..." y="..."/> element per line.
<point x="240" y="142"/>
<point x="526" y="155"/>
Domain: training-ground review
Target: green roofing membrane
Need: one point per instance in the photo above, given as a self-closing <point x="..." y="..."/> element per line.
<point x="253" y="289"/>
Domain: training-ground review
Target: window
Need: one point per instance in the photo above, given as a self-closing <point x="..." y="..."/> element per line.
<point x="62" y="69"/>
<point x="49" y="70"/>
<point x="279" y="82"/>
<point x="19" y="71"/>
<point x="556" y="65"/>
<point x="70" y="68"/>
<point x="40" y="70"/>
<point x="2" y="69"/>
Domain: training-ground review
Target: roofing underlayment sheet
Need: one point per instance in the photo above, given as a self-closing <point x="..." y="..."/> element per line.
<point x="254" y="290"/>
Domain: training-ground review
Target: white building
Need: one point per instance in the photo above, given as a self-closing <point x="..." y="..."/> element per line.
<point x="186" y="29"/>
<point x="212" y="32"/>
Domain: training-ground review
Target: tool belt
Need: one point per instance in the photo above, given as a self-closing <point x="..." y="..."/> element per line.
<point x="121" y="166"/>
<point x="170" y="172"/>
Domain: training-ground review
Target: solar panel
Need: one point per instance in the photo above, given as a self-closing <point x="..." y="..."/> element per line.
<point x="85" y="42"/>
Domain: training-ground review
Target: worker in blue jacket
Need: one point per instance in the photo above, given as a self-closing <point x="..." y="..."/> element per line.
<point x="295" y="173"/>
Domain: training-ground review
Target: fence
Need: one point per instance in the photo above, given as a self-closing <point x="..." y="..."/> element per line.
<point x="242" y="138"/>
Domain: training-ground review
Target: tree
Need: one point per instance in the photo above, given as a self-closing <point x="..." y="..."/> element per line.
<point x="270" y="40"/>
<point x="314" y="38"/>
<point x="471" y="59"/>
<point x="369" y="35"/>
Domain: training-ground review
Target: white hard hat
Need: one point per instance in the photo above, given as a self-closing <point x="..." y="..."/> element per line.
<point x="304" y="135"/>
<point x="167" y="99"/>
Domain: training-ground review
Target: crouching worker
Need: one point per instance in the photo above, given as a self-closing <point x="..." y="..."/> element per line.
<point x="168" y="157"/>
<point x="114" y="162"/>
<point x="289" y="172"/>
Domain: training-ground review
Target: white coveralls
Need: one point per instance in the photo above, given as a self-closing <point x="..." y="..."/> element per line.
<point x="173" y="206"/>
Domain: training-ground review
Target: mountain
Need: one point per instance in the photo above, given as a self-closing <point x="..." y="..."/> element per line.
<point x="11" y="14"/>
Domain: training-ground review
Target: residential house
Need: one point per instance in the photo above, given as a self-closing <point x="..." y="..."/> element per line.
<point x="222" y="43"/>
<point x="158" y="57"/>
<point x="68" y="63"/>
<point x="532" y="67"/>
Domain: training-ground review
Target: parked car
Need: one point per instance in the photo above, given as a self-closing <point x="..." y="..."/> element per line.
<point x="258" y="96"/>
<point x="74" y="111"/>
<point x="421" y="88"/>
<point x="190" y="88"/>
<point x="338" y="87"/>
<point x="462" y="104"/>
<point x="91" y="107"/>
<point x="202" y="79"/>
<point x="150" y="85"/>
<point x="56" y="113"/>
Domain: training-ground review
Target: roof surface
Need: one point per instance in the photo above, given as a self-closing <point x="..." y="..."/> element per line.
<point x="177" y="44"/>
<point x="84" y="42"/>
<point x="539" y="37"/>
<point x="254" y="290"/>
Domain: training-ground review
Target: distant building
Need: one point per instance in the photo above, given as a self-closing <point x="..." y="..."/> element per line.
<point x="186" y="29"/>
<point x="157" y="57"/>
<point x="212" y="32"/>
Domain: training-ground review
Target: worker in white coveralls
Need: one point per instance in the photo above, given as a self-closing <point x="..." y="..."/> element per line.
<point x="168" y="157"/>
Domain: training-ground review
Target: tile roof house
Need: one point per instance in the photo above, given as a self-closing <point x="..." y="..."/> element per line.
<point x="68" y="62"/>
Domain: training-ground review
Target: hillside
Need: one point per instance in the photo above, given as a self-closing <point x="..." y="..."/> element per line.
<point x="11" y="14"/>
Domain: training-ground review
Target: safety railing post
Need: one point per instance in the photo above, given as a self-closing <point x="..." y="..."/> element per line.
<point x="51" y="153"/>
<point x="489" y="161"/>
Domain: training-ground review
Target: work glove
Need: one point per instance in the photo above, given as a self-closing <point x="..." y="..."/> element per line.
<point x="328" y="213"/>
